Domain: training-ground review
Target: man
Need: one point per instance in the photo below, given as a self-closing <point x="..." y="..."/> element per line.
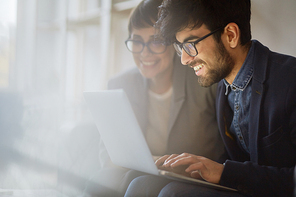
<point x="256" y="94"/>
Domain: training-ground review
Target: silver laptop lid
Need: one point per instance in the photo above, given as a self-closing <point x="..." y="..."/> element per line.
<point x="119" y="130"/>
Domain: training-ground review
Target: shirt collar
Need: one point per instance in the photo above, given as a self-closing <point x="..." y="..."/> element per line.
<point x="244" y="75"/>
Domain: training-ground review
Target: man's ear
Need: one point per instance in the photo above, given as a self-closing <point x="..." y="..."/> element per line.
<point x="232" y="33"/>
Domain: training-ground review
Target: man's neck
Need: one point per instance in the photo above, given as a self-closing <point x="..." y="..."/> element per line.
<point x="239" y="55"/>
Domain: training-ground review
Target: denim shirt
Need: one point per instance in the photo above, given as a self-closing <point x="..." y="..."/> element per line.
<point x="239" y="96"/>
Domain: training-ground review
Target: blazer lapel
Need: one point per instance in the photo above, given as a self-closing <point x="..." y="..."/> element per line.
<point x="179" y="80"/>
<point x="261" y="58"/>
<point x="224" y="116"/>
<point x="140" y="100"/>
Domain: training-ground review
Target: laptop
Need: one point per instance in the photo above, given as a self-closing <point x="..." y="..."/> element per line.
<point x="123" y="138"/>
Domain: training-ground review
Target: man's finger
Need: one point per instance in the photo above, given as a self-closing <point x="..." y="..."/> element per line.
<point x="185" y="161"/>
<point x="161" y="160"/>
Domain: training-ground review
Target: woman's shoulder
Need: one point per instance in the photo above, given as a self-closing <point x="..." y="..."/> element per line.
<point x="128" y="77"/>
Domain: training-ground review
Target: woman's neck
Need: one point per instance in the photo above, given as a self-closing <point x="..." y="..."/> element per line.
<point x="161" y="84"/>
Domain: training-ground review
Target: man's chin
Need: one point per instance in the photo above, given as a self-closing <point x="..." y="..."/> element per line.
<point x="204" y="82"/>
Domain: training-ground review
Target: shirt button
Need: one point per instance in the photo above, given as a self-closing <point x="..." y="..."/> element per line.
<point x="237" y="107"/>
<point x="233" y="88"/>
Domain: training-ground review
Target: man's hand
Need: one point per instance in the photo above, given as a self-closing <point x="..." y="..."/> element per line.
<point x="177" y="169"/>
<point x="195" y="166"/>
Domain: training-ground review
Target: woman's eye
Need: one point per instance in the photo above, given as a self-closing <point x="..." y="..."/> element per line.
<point x="137" y="43"/>
<point x="156" y="43"/>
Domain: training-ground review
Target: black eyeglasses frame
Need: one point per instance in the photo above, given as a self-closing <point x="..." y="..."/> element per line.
<point x="144" y="44"/>
<point x="180" y="45"/>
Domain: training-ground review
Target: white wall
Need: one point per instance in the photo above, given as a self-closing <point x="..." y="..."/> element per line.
<point x="273" y="24"/>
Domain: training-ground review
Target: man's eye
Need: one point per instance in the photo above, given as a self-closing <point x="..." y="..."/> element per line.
<point x="191" y="45"/>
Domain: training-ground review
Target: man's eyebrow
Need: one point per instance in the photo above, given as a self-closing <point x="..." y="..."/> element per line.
<point x="191" y="38"/>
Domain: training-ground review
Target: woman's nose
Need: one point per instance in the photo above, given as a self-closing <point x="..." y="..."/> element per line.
<point x="146" y="52"/>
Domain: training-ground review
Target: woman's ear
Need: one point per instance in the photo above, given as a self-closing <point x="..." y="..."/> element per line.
<point x="232" y="33"/>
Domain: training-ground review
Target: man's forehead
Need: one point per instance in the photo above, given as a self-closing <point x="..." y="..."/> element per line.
<point x="183" y="35"/>
<point x="190" y="32"/>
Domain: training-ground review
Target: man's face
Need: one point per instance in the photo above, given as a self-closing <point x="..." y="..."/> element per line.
<point x="213" y="62"/>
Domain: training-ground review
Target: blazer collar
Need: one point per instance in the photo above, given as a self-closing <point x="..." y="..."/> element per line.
<point x="259" y="77"/>
<point x="140" y="101"/>
<point x="179" y="83"/>
<point x="260" y="61"/>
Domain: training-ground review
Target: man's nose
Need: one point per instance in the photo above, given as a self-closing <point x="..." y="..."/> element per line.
<point x="185" y="58"/>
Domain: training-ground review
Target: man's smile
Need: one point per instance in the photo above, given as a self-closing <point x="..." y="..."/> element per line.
<point x="197" y="67"/>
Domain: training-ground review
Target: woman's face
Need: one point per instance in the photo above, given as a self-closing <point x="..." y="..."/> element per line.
<point x="152" y="65"/>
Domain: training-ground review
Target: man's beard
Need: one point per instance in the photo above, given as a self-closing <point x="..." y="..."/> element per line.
<point x="221" y="69"/>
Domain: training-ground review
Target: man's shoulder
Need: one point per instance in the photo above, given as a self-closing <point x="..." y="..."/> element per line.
<point x="284" y="60"/>
<point x="273" y="63"/>
<point x="273" y="56"/>
<point x="280" y="65"/>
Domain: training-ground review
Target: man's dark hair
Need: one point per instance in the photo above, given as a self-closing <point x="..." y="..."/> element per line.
<point x="144" y="15"/>
<point x="176" y="15"/>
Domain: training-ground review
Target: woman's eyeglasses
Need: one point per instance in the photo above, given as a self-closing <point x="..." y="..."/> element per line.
<point x="154" y="46"/>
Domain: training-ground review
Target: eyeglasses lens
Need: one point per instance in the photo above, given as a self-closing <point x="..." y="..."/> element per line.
<point x="134" y="46"/>
<point x="190" y="49"/>
<point x="155" y="47"/>
<point x="178" y="49"/>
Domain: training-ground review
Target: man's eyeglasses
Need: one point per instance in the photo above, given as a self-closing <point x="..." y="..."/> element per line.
<point x="154" y="46"/>
<point x="189" y="47"/>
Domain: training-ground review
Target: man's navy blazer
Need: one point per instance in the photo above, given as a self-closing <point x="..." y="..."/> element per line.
<point x="268" y="169"/>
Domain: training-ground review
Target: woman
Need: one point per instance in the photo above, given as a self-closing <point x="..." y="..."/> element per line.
<point x="175" y="113"/>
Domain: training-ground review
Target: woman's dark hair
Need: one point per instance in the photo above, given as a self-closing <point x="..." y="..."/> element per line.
<point x="176" y="15"/>
<point x="144" y="15"/>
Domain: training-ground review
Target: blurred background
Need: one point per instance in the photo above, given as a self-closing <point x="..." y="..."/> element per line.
<point x="53" y="50"/>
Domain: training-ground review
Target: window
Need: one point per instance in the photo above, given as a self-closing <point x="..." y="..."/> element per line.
<point x="7" y="40"/>
<point x="50" y="52"/>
